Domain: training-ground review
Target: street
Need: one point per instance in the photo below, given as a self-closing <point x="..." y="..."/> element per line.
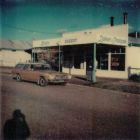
<point x="72" y="111"/>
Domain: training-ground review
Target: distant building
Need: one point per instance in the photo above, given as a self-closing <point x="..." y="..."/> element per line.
<point x="13" y="52"/>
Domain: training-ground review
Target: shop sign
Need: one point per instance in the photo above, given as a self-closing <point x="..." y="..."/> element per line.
<point x="115" y="63"/>
<point x="38" y="50"/>
<point x="70" y="41"/>
<point x="112" y="40"/>
<point x="45" y="43"/>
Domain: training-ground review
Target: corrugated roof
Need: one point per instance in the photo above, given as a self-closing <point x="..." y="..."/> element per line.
<point x="134" y="41"/>
<point x="135" y="34"/>
<point x="15" y="44"/>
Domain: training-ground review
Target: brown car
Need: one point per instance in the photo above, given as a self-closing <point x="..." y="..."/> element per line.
<point x="42" y="74"/>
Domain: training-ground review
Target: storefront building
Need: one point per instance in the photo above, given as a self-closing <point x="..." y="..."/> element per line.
<point x="78" y="50"/>
<point x="104" y="51"/>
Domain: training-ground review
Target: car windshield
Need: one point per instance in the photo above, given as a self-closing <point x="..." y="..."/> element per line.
<point x="41" y="67"/>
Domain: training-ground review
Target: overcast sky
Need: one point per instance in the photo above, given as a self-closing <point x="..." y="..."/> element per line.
<point x="42" y="19"/>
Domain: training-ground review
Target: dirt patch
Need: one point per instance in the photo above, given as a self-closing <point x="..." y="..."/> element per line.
<point x="112" y="84"/>
<point x="118" y="85"/>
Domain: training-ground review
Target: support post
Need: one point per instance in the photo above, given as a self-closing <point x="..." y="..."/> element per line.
<point x="32" y="55"/>
<point x="109" y="61"/>
<point x="94" y="64"/>
<point x="59" y="58"/>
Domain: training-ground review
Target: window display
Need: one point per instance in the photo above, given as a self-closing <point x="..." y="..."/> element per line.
<point x="118" y="62"/>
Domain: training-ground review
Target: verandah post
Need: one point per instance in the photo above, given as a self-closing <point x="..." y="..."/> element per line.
<point x="94" y="64"/>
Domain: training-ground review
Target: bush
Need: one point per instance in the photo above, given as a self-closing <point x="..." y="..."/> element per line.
<point x="135" y="77"/>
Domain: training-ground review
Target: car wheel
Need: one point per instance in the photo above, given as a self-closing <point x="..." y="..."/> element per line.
<point x="18" y="78"/>
<point x="42" y="82"/>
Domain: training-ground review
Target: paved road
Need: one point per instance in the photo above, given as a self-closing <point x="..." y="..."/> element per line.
<point x="72" y="112"/>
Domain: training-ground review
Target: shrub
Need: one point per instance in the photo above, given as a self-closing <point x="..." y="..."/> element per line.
<point x="135" y="77"/>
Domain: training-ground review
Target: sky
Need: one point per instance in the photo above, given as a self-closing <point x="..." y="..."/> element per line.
<point x="44" y="19"/>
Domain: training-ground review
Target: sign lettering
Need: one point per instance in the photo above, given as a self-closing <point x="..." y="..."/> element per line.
<point x="45" y="43"/>
<point x="67" y="41"/>
<point x="112" y="40"/>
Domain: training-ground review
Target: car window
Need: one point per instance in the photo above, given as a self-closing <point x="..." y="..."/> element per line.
<point x="19" y="66"/>
<point x="46" y="67"/>
<point x="41" y="67"/>
<point x="37" y="67"/>
<point x="27" y="66"/>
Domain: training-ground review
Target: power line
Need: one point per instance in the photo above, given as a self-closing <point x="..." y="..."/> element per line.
<point x="27" y="30"/>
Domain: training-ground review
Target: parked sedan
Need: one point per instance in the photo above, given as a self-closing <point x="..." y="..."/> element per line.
<point x="42" y="74"/>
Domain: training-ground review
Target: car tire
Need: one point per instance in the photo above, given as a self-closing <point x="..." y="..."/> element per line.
<point x="42" y="82"/>
<point x="18" y="78"/>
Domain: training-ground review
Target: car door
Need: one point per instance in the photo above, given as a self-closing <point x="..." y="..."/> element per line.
<point x="34" y="73"/>
<point x="26" y="73"/>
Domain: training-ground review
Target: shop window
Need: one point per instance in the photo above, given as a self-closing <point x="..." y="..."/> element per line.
<point x="102" y="61"/>
<point x="118" y="62"/>
<point x="78" y="61"/>
<point x="67" y="61"/>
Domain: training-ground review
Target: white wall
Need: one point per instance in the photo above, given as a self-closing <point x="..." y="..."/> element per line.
<point x="11" y="58"/>
<point x="116" y="35"/>
<point x="118" y="31"/>
<point x="74" y="71"/>
<point x="112" y="74"/>
<point x="88" y="36"/>
<point x="133" y="58"/>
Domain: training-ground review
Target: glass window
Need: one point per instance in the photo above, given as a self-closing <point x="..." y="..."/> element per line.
<point x="118" y="62"/>
<point x="19" y="66"/>
<point x="47" y="67"/>
<point x="27" y="66"/>
<point x="42" y="67"/>
<point x="102" y="61"/>
<point x="68" y="63"/>
<point x="78" y="60"/>
<point x="37" y="67"/>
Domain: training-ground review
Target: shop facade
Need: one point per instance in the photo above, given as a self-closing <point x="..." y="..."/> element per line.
<point x="102" y="51"/>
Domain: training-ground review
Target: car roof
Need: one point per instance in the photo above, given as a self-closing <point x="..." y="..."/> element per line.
<point x="35" y="63"/>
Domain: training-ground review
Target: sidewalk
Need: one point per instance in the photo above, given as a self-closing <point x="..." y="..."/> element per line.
<point x="123" y="85"/>
<point x="104" y="83"/>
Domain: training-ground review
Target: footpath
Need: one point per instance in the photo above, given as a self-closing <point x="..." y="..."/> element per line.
<point x="111" y="84"/>
<point x="104" y="83"/>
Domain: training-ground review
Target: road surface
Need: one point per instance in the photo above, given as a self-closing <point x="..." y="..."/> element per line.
<point x="72" y="111"/>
